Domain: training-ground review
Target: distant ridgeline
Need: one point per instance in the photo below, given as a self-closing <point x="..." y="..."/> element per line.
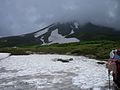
<point x="62" y="33"/>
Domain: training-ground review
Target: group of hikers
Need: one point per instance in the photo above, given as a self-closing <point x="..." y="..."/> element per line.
<point x="113" y="66"/>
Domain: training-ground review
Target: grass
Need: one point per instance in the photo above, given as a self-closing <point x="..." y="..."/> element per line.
<point x="93" y="49"/>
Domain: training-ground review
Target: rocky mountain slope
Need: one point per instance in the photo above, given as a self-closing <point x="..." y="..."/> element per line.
<point x="62" y="33"/>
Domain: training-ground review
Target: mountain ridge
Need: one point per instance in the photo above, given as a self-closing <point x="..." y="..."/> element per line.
<point x="62" y="33"/>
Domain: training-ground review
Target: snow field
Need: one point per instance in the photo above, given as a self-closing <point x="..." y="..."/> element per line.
<point x="88" y="74"/>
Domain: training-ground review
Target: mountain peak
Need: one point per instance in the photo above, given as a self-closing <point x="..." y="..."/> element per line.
<point x="62" y="33"/>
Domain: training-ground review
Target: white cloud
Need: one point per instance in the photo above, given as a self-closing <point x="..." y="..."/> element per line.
<point x="22" y="16"/>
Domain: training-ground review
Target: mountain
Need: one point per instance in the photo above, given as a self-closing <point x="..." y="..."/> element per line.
<point x="62" y="33"/>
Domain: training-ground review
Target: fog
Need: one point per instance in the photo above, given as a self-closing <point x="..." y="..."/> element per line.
<point x="23" y="16"/>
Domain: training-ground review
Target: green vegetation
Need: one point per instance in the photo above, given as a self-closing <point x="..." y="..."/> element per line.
<point x="93" y="49"/>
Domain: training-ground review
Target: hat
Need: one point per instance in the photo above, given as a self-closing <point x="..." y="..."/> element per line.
<point x="118" y="52"/>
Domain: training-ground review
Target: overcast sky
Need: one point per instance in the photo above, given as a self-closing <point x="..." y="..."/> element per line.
<point x="23" y="16"/>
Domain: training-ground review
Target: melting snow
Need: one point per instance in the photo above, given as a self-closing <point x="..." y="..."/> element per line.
<point x="41" y="33"/>
<point x="87" y="72"/>
<point x="42" y="39"/>
<point x="71" y="32"/>
<point x="57" y="38"/>
<point x="76" y="25"/>
<point x="4" y="55"/>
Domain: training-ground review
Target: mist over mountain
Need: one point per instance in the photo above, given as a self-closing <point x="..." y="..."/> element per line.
<point x="24" y="16"/>
<point x="62" y="33"/>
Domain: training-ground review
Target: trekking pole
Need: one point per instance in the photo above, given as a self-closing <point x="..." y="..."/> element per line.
<point x="109" y="78"/>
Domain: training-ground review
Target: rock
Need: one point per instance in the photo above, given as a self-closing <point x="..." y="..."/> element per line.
<point x="100" y="62"/>
<point x="29" y="52"/>
<point x="70" y="59"/>
<point x="65" y="60"/>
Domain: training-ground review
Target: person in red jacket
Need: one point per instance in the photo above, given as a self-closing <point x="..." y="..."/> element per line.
<point x="114" y="66"/>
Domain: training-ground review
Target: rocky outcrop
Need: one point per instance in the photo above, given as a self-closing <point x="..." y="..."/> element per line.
<point x="63" y="60"/>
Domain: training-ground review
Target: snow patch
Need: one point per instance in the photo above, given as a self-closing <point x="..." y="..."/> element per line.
<point x="4" y="55"/>
<point x="96" y="89"/>
<point x="76" y="25"/>
<point x="41" y="32"/>
<point x="88" y="73"/>
<point x="91" y="75"/>
<point x="42" y="39"/>
<point x="57" y="38"/>
<point x="71" y="32"/>
<point x="9" y="83"/>
<point x="37" y="82"/>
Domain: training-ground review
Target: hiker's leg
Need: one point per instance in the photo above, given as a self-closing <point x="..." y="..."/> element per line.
<point x="116" y="80"/>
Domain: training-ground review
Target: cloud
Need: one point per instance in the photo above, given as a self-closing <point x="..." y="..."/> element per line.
<point x="23" y="16"/>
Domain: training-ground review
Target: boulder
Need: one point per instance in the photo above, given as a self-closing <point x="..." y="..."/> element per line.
<point x="65" y="60"/>
<point x="101" y="62"/>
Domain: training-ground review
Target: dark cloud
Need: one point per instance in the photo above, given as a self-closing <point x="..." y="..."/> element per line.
<point x="22" y="16"/>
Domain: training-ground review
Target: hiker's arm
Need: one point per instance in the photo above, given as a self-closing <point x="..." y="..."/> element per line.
<point x="111" y="66"/>
<point x="108" y="63"/>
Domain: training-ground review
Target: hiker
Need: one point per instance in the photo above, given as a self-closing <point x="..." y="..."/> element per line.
<point x="114" y="66"/>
